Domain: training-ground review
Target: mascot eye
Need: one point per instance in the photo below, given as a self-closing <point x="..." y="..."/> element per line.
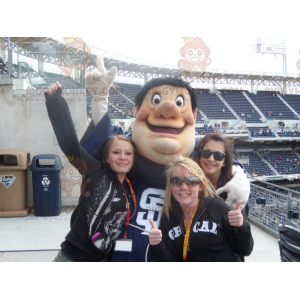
<point x="179" y="101"/>
<point x="70" y="52"/>
<point x="80" y="51"/>
<point x="70" y="171"/>
<point x="190" y="52"/>
<point x="199" y="52"/>
<point x="80" y="170"/>
<point x="156" y="99"/>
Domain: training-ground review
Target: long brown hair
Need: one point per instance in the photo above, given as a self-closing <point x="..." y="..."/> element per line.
<point x="109" y="144"/>
<point x="226" y="171"/>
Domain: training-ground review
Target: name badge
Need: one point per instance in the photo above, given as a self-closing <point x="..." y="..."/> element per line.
<point x="123" y="245"/>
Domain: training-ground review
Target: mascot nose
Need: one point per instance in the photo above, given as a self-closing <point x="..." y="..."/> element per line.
<point x="167" y="109"/>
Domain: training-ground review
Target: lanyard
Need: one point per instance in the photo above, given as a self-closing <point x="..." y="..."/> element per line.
<point x="187" y="232"/>
<point x="128" y="217"/>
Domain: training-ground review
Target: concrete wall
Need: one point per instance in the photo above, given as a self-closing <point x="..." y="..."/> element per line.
<point x="24" y="124"/>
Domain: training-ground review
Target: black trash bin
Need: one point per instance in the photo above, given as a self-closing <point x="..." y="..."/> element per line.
<point x="46" y="188"/>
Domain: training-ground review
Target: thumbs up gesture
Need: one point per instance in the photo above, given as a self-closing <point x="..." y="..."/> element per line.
<point x="235" y="216"/>
<point x="155" y="235"/>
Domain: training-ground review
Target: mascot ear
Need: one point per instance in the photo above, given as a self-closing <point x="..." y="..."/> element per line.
<point x="182" y="52"/>
<point x="135" y="110"/>
<point x="207" y="52"/>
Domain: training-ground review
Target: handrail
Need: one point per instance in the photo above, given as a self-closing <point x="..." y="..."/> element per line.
<point x="274" y="185"/>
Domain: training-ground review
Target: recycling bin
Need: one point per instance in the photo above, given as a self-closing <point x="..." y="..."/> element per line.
<point x="45" y="170"/>
<point x="13" y="183"/>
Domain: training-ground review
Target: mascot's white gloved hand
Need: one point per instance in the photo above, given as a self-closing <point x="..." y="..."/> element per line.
<point x="238" y="188"/>
<point x="98" y="82"/>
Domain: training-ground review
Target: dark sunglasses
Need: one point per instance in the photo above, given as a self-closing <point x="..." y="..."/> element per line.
<point x="190" y="181"/>
<point x="219" y="156"/>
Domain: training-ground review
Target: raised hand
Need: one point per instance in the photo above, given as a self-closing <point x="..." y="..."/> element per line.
<point x="235" y="216"/>
<point x="99" y="81"/>
<point x="155" y="235"/>
<point x="51" y="89"/>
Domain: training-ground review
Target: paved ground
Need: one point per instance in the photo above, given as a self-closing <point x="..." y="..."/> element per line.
<point x="266" y="247"/>
<point x="31" y="238"/>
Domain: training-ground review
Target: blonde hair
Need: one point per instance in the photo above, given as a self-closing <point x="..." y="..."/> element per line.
<point x="193" y="168"/>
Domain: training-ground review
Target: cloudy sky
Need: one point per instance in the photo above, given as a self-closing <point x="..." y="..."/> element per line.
<point x="234" y="53"/>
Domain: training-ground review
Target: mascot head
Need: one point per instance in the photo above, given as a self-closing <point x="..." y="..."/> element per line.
<point x="165" y="114"/>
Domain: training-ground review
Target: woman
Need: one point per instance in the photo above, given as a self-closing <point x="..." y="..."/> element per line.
<point x="195" y="225"/>
<point x="98" y="219"/>
<point x="215" y="158"/>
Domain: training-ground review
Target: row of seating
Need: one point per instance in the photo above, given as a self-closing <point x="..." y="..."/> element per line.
<point x="256" y="166"/>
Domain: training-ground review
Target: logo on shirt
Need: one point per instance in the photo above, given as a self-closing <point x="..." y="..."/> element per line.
<point x="207" y="226"/>
<point x="152" y="200"/>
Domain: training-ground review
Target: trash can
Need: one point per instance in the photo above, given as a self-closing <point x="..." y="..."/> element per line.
<point x="13" y="183"/>
<point x="45" y="170"/>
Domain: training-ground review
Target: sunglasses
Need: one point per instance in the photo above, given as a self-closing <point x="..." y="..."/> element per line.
<point x="219" y="156"/>
<point x="190" y="181"/>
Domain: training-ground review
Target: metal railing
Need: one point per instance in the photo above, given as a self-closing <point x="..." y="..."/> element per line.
<point x="282" y="206"/>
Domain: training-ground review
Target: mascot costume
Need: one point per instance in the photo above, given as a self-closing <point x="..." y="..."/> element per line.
<point x="165" y="114"/>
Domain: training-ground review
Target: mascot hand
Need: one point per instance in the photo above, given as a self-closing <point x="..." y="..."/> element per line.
<point x="99" y="81"/>
<point x="238" y="188"/>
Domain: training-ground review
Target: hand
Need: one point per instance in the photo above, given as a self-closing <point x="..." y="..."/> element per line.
<point x="155" y="235"/>
<point x="99" y="81"/>
<point x="238" y="188"/>
<point x="51" y="89"/>
<point x="235" y="216"/>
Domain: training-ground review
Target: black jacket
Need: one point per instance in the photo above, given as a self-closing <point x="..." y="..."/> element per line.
<point x="212" y="238"/>
<point x="103" y="210"/>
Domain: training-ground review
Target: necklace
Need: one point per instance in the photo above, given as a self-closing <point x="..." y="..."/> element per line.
<point x="187" y="233"/>
<point x="128" y="217"/>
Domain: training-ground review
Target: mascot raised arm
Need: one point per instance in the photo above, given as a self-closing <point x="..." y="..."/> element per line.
<point x="165" y="114"/>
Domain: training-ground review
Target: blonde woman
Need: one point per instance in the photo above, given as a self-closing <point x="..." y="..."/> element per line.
<point x="197" y="225"/>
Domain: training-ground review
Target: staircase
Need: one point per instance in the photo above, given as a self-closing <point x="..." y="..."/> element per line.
<point x="270" y="166"/>
<point x="118" y="91"/>
<point x="287" y="105"/>
<point x="264" y="119"/>
<point x="228" y="106"/>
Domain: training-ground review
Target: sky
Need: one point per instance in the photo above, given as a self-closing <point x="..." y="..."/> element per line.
<point x="234" y="53"/>
<point x="152" y="34"/>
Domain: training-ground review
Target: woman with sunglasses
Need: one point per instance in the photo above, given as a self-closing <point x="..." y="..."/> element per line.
<point x="215" y="158"/>
<point x="196" y="225"/>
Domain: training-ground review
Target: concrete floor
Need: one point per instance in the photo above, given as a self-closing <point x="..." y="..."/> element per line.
<point x="38" y="239"/>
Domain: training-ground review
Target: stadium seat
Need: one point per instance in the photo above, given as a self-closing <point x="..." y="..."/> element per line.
<point x="289" y="243"/>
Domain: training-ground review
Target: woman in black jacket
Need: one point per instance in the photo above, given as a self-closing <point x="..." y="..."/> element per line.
<point x="196" y="226"/>
<point x="108" y="201"/>
<point x="215" y="158"/>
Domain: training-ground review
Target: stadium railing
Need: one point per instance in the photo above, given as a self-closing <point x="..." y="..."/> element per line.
<point x="282" y="206"/>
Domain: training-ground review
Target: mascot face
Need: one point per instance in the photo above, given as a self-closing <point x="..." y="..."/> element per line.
<point x="195" y="56"/>
<point x="165" y="124"/>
